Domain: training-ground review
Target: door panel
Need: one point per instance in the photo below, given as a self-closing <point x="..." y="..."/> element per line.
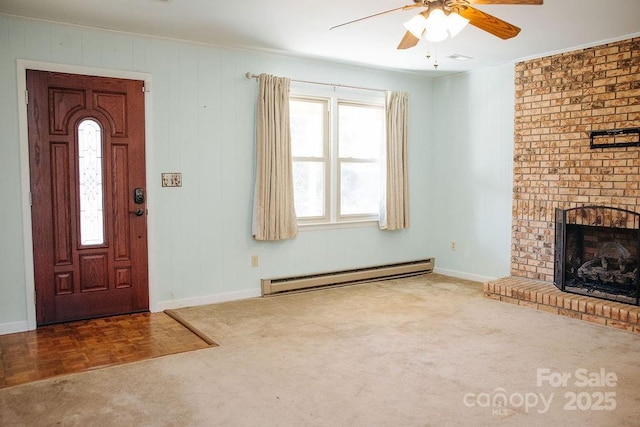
<point x="90" y="245"/>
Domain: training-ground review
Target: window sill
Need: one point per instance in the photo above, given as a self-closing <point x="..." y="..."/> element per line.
<point x="337" y="225"/>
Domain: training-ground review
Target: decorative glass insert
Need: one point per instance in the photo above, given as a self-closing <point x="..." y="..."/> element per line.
<point x="90" y="183"/>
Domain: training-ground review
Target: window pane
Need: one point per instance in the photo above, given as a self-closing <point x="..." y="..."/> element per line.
<point x="307" y="128"/>
<point x="359" y="188"/>
<point x="308" y="187"/>
<point x="361" y="131"/>
<point x="90" y="183"/>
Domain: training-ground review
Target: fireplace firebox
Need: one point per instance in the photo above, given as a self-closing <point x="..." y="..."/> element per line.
<point x="597" y="253"/>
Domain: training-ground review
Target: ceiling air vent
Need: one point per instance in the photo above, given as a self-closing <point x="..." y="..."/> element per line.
<point x="459" y="57"/>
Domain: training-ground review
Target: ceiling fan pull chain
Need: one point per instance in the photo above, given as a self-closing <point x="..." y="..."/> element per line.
<point x="435" y="62"/>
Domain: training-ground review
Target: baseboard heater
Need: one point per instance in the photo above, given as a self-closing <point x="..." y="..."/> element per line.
<point x="287" y="284"/>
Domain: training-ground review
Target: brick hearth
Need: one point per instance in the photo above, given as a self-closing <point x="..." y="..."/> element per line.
<point x="546" y="297"/>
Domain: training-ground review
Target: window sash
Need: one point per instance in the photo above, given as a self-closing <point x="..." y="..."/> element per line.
<point x="371" y="215"/>
<point x="324" y="162"/>
<point x="324" y="159"/>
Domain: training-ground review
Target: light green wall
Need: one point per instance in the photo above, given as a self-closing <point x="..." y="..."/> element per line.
<point x="202" y="124"/>
<point x="202" y="114"/>
<point x="472" y="172"/>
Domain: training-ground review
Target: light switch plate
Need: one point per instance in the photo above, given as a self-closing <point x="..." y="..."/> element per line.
<point x="173" y="179"/>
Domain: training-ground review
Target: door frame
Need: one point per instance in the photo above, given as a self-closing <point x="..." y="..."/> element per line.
<point x="25" y="181"/>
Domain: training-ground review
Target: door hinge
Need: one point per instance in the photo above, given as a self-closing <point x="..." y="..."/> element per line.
<point x="30" y="198"/>
<point x="146" y="87"/>
<point x="26" y="96"/>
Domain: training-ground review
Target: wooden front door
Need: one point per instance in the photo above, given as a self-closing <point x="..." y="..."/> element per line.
<point x="87" y="168"/>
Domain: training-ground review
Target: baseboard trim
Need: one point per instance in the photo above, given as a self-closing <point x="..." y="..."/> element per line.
<point x="209" y="299"/>
<point x="463" y="275"/>
<point x="13" y="327"/>
<point x="23" y="326"/>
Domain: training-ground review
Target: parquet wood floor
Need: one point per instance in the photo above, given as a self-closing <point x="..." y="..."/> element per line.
<point x="78" y="346"/>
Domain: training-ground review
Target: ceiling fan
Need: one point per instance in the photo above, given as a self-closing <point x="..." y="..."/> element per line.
<point x="443" y="18"/>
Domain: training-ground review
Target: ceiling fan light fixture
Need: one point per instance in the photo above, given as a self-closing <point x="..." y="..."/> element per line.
<point x="435" y="36"/>
<point x="416" y="25"/>
<point x="456" y="23"/>
<point x="439" y="26"/>
<point x="437" y="21"/>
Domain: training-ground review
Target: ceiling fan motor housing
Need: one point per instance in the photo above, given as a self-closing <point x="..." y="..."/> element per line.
<point x="445" y="5"/>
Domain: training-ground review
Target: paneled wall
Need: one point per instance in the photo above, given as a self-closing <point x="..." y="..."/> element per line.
<point x="559" y="100"/>
<point x="202" y="112"/>
<point x="470" y="169"/>
<point x="201" y="123"/>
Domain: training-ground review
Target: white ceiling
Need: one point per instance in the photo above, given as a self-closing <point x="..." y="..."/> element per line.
<point x="301" y="27"/>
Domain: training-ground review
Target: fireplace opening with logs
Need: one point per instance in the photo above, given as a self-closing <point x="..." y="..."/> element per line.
<point x="597" y="253"/>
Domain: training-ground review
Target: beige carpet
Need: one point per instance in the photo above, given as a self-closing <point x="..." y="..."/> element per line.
<point x="428" y="350"/>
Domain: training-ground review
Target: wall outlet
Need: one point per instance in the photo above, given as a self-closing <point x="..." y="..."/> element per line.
<point x="453" y="246"/>
<point x="254" y="261"/>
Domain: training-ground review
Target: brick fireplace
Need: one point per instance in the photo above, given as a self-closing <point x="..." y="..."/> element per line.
<point x="559" y="100"/>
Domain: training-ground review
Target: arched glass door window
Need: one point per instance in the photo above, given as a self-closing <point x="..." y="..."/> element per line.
<point x="90" y="183"/>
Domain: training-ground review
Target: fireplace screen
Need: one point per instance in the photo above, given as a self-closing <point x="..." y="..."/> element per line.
<point x="596" y="253"/>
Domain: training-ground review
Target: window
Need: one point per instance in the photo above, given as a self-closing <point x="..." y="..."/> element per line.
<point x="336" y="145"/>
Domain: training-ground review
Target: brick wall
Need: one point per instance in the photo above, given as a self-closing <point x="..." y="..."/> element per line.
<point x="559" y="100"/>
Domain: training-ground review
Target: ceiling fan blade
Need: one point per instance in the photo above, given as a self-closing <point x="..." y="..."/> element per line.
<point x="489" y="23"/>
<point x="407" y="7"/>
<point x="525" y="2"/>
<point x="409" y="40"/>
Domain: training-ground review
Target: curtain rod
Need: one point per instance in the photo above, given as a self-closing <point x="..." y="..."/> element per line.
<point x="250" y="76"/>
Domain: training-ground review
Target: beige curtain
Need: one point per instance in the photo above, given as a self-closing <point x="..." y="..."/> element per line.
<point x="274" y="214"/>
<point x="394" y="214"/>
